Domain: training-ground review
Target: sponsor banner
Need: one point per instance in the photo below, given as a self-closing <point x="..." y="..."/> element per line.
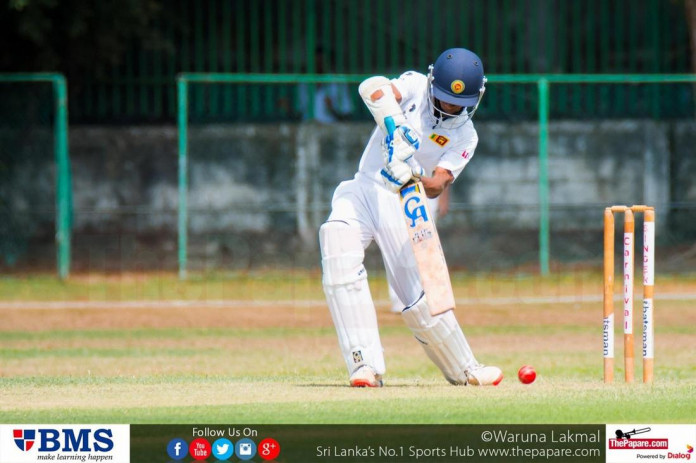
<point x="649" y="253"/>
<point x="628" y="283"/>
<point x="31" y="443"/>
<point x="613" y="443"/>
<point x="368" y="443"/>
<point x="648" y="336"/>
<point x="650" y="442"/>
<point x="608" y="336"/>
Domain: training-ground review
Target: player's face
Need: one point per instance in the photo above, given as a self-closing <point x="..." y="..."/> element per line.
<point x="450" y="108"/>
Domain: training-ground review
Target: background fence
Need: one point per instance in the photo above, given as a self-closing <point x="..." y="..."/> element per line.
<point x="540" y="108"/>
<point x="253" y="195"/>
<point x="251" y="139"/>
<point x="136" y="84"/>
<point x="24" y="212"/>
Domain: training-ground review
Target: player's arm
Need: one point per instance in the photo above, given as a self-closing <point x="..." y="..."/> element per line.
<point x="443" y="203"/>
<point x="382" y="98"/>
<point x="436" y="184"/>
<point x="451" y="165"/>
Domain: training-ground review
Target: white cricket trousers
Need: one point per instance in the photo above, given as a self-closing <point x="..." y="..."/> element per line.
<point x="375" y="212"/>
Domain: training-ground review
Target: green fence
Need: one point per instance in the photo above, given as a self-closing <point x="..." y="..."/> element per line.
<point x="62" y="161"/>
<point x="543" y="83"/>
<point x="390" y="36"/>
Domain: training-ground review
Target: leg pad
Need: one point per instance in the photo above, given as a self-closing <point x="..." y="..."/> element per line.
<point x="442" y="339"/>
<point x="348" y="296"/>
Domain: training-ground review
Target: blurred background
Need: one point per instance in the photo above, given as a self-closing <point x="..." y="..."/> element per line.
<point x="263" y="156"/>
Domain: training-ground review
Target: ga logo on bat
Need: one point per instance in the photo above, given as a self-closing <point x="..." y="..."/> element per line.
<point x="414" y="210"/>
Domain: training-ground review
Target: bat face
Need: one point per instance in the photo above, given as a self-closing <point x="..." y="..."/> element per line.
<point x="414" y="207"/>
<point x="427" y="249"/>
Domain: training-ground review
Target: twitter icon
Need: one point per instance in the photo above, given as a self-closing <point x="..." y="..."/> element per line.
<point x="223" y="449"/>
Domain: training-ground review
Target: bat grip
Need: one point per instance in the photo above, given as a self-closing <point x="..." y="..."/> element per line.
<point x="390" y="125"/>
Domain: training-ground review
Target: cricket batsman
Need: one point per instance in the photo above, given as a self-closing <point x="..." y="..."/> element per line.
<point x="424" y="131"/>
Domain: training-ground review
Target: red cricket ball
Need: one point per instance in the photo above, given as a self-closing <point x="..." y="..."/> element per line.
<point x="527" y="374"/>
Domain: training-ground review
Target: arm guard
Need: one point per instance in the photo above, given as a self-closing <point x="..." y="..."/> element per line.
<point x="379" y="98"/>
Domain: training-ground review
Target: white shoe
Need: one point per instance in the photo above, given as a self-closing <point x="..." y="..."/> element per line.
<point x="365" y="377"/>
<point x="483" y="375"/>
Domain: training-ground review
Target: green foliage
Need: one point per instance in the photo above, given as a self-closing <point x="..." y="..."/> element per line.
<point x="76" y="37"/>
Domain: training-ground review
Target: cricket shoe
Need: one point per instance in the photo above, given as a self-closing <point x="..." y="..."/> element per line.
<point x="482" y="375"/>
<point x="365" y="377"/>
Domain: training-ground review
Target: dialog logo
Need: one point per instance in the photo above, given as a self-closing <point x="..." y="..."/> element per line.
<point x="24" y="438"/>
<point x="177" y="449"/>
<point x="245" y="449"/>
<point x="223" y="449"/>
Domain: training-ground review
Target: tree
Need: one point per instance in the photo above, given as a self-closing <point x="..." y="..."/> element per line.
<point x="691" y="22"/>
<point x="75" y="37"/>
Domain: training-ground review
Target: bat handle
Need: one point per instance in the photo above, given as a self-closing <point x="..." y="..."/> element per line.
<point x="390" y="125"/>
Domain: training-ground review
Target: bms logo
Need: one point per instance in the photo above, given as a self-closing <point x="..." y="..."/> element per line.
<point x="64" y="440"/>
<point x="24" y="438"/>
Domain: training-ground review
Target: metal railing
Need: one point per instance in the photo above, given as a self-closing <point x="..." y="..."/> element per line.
<point x="281" y="36"/>
<point x="543" y="83"/>
<point x="62" y="159"/>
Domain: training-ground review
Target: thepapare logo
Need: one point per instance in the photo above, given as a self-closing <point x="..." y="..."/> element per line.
<point x="65" y="440"/>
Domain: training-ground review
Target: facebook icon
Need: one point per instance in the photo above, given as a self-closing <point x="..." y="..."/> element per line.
<point x="177" y="449"/>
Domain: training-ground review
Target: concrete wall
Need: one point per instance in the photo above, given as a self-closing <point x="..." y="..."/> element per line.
<point x="273" y="183"/>
<point x="250" y="169"/>
<point x="590" y="165"/>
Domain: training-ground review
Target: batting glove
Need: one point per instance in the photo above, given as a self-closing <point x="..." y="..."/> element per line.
<point x="396" y="174"/>
<point x="401" y="144"/>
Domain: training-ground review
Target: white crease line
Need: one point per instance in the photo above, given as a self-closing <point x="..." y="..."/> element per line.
<point x="232" y="303"/>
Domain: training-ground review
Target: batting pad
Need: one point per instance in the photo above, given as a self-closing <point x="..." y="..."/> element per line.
<point x="348" y="296"/>
<point x="442" y="339"/>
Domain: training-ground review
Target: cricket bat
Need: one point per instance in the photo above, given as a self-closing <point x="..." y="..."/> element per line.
<point x="425" y="241"/>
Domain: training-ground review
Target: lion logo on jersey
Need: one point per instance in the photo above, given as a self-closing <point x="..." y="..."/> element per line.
<point x="439" y="139"/>
<point x="457" y="86"/>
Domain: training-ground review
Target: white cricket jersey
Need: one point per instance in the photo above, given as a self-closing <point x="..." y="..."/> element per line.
<point x="440" y="146"/>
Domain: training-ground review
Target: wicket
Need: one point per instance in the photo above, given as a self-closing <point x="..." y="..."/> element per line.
<point x="648" y="290"/>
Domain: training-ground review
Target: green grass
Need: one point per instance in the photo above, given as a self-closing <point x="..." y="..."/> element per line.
<point x="321" y="400"/>
<point x="270" y="285"/>
<point x="132" y="384"/>
<point x="293" y="284"/>
<point x="217" y="365"/>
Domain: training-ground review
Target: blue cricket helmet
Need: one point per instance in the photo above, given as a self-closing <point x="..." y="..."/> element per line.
<point x="457" y="77"/>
